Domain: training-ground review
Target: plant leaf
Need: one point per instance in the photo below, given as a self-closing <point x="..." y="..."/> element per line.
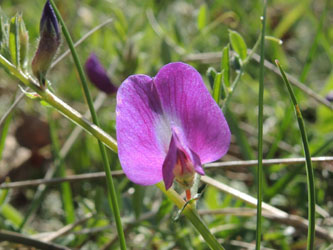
<point x="225" y="66"/>
<point x="14" y="46"/>
<point x="238" y="44"/>
<point x="217" y="87"/>
<point x="211" y="73"/>
<point x="202" y="17"/>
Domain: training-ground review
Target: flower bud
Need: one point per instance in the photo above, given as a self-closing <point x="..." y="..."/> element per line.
<point x="97" y="75"/>
<point x="48" y="43"/>
<point x="24" y="44"/>
<point x="329" y="96"/>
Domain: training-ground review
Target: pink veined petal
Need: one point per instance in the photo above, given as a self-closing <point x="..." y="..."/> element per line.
<point x="188" y="104"/>
<point x="138" y="114"/>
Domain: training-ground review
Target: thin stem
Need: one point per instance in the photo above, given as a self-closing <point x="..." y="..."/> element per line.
<point x="188" y="194"/>
<point x="210" y="166"/>
<point x="112" y="197"/>
<point x="25" y="240"/>
<point x="309" y="168"/>
<point x="190" y="212"/>
<point x="260" y="130"/>
<point x="61" y="106"/>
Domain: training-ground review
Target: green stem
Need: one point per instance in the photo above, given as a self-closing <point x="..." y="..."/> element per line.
<point x="260" y="131"/>
<point x="112" y="197"/>
<point x="61" y="106"/>
<point x="27" y="241"/>
<point x="309" y="168"/>
<point x="190" y="212"/>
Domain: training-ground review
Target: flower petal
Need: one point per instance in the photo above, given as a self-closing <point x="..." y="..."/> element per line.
<point x="188" y="104"/>
<point x="169" y="164"/>
<point x="139" y="116"/>
<point x="98" y="76"/>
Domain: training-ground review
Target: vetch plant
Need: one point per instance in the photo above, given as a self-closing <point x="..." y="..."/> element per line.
<point x="168" y="126"/>
<point x="98" y="76"/>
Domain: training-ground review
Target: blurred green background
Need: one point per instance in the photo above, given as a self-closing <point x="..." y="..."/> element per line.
<point x="143" y="36"/>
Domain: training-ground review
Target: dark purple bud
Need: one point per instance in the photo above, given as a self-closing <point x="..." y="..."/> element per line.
<point x="329" y="96"/>
<point x="48" y="44"/>
<point x="97" y="75"/>
<point x="49" y="22"/>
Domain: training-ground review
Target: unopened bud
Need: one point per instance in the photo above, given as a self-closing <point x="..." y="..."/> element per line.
<point x="48" y="43"/>
<point x="98" y="76"/>
<point x="24" y="44"/>
<point x="329" y="96"/>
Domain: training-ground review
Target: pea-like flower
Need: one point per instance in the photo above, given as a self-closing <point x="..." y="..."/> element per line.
<point x="168" y="126"/>
<point x="98" y="76"/>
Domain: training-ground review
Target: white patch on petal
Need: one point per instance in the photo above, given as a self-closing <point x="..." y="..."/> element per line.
<point x="163" y="132"/>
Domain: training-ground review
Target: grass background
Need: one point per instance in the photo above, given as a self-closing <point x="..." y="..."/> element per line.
<point x="130" y="44"/>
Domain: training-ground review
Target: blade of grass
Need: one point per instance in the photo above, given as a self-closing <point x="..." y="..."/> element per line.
<point x="112" y="193"/>
<point x="4" y="133"/>
<point x="27" y="241"/>
<point x="11" y="213"/>
<point x="309" y="168"/>
<point x="260" y="130"/>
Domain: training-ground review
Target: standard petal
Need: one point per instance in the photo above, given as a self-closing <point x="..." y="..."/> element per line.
<point x="138" y="115"/>
<point x="188" y="104"/>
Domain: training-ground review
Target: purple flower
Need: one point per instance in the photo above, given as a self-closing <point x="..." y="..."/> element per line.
<point x="97" y="75"/>
<point x="48" y="44"/>
<point x="168" y="126"/>
<point x="329" y="96"/>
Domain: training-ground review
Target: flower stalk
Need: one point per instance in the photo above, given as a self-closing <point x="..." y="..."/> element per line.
<point x="260" y="132"/>
<point x="309" y="168"/>
<point x="190" y="212"/>
<point x="112" y="194"/>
